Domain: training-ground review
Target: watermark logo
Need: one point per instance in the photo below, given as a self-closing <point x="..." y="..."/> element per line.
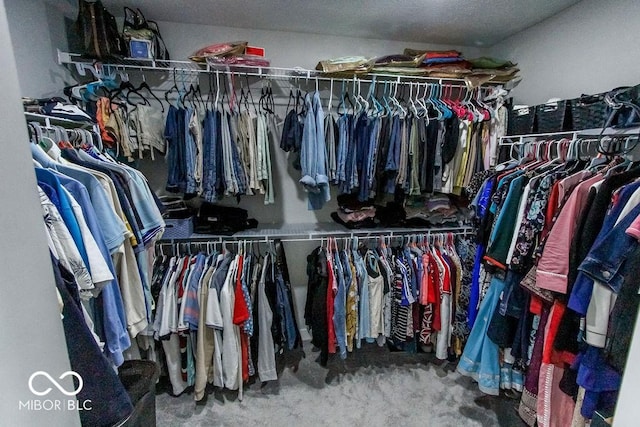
<point x="40" y="389"/>
<point x="56" y="383"/>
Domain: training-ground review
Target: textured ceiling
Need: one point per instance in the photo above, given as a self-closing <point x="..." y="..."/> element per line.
<point x="454" y="22"/>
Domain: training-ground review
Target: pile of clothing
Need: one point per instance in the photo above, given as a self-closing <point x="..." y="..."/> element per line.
<point x="438" y="209"/>
<point x="354" y="214"/>
<point x="231" y="53"/>
<point x="346" y="65"/>
<point x="442" y="58"/>
<point x="56" y="107"/>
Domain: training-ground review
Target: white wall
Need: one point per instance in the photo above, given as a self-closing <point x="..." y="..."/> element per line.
<point x="285" y="49"/>
<point x="37" y="29"/>
<point x="590" y="47"/>
<point x="32" y="335"/>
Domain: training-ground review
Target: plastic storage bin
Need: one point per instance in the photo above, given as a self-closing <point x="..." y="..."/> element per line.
<point x="589" y="112"/>
<point x="553" y="117"/>
<point x="178" y="228"/>
<point x="521" y="121"/>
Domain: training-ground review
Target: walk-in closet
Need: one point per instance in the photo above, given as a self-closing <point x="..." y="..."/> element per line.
<point x="339" y="213"/>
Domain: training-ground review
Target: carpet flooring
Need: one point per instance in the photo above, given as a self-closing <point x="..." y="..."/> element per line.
<point x="372" y="387"/>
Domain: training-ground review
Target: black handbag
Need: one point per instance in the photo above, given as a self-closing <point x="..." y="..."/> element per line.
<point x="97" y="32"/>
<point x="625" y="107"/>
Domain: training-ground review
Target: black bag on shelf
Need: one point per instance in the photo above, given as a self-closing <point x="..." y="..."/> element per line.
<point x="625" y="107"/>
<point x="589" y="112"/>
<point x="521" y="121"/>
<point x="554" y="116"/>
<point x="97" y="32"/>
<point x="216" y="219"/>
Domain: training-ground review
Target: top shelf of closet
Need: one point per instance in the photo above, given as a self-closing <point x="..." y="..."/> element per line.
<point x="315" y="232"/>
<point x="140" y="64"/>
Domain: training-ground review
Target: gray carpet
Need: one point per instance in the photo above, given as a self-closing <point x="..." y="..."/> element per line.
<point x="373" y="387"/>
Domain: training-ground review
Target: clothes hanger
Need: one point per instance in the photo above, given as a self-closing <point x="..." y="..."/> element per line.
<point x="249" y="95"/>
<point x="145" y="86"/>
<point x="330" y="103"/>
<point x="172" y="88"/>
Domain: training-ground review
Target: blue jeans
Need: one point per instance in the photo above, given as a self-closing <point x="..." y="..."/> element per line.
<point x="343" y="141"/>
<point x="171" y="135"/>
<point x="287" y="322"/>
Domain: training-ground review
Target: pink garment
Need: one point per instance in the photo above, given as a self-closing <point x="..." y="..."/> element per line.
<point x="634" y="228"/>
<point x="566" y="185"/>
<point x="357" y="216"/>
<point x="555" y="408"/>
<point x="424" y="280"/>
<point x="553" y="265"/>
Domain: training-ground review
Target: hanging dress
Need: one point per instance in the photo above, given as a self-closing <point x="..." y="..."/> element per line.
<point x="480" y="359"/>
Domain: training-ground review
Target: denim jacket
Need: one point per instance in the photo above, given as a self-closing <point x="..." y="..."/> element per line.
<point x="606" y="259"/>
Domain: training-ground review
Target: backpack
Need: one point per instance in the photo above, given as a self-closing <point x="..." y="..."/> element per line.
<point x="97" y="32"/>
<point x="137" y="29"/>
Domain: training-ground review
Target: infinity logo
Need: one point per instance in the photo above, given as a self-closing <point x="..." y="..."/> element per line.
<point x="55" y="383"/>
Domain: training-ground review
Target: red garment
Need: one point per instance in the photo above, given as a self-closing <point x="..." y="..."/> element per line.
<point x="434" y="281"/>
<point x="435" y="290"/>
<point x="446" y="282"/>
<point x="244" y="346"/>
<point x="330" y="300"/>
<point x="442" y="54"/>
<point x="240" y="309"/>
<point x="535" y="306"/>
<point x="552" y="207"/>
<point x="548" y="354"/>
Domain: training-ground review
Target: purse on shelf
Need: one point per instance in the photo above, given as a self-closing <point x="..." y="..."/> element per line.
<point x="143" y="37"/>
<point x="625" y="107"/>
<point x="97" y="32"/>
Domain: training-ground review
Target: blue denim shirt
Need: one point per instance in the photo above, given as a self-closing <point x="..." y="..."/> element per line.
<point x="606" y="261"/>
<point x="344" y="126"/>
<point x="313" y="154"/>
<point x="112" y="227"/>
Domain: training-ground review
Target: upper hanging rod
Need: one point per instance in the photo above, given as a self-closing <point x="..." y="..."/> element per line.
<point x="585" y="134"/>
<point x="317" y="235"/>
<point x="97" y="68"/>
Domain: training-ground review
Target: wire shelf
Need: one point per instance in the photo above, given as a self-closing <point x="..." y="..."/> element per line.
<point x="98" y="69"/>
<point x="316" y="232"/>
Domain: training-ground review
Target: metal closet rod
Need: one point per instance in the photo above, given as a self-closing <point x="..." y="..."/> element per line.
<point x="275" y="73"/>
<point x="584" y="135"/>
<point x="370" y="234"/>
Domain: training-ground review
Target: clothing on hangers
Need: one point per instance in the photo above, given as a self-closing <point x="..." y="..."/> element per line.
<point x="403" y="297"/>
<point x="540" y="217"/>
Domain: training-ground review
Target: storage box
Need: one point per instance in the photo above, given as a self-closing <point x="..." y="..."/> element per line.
<point x="553" y="117"/>
<point x="589" y="112"/>
<point x="521" y="121"/>
<point x="178" y="228"/>
<point x="139" y="48"/>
